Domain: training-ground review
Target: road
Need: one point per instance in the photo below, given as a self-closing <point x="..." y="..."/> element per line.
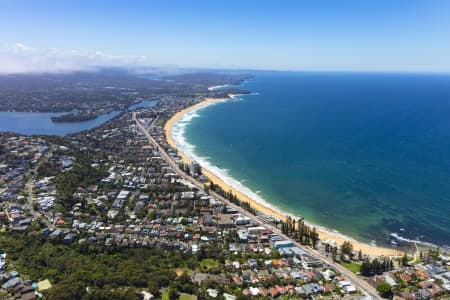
<point x="29" y="187"/>
<point x="354" y="279"/>
<point x="30" y="175"/>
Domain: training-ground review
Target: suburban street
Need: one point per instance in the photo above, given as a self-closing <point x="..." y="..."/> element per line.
<point x="31" y="175"/>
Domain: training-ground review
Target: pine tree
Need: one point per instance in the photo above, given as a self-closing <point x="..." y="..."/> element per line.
<point x="384" y="266"/>
<point x="375" y="266"/>
<point x="366" y="268"/>
<point x="405" y="260"/>
<point x="334" y="253"/>
<point x="314" y="237"/>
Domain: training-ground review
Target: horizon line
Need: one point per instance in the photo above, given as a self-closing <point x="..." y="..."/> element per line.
<point x="174" y="69"/>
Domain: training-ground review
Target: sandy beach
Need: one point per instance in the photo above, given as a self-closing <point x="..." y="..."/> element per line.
<point x="323" y="234"/>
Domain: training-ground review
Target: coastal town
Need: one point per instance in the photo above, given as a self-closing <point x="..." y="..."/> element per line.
<point x="121" y="201"/>
<point x="90" y="94"/>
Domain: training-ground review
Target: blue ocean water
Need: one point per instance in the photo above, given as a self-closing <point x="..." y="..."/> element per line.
<point x="365" y="154"/>
<point x="41" y="123"/>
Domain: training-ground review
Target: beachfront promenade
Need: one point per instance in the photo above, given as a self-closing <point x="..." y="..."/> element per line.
<point x="358" y="282"/>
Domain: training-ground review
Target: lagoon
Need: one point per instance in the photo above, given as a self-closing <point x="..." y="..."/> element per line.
<point x="41" y="123"/>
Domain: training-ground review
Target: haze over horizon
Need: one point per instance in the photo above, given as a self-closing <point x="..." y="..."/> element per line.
<point x="410" y="36"/>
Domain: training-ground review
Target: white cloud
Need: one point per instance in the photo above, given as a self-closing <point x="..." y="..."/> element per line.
<point x="21" y="58"/>
<point x="20" y="48"/>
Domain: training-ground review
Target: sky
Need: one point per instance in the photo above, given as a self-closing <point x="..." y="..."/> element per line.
<point x="319" y="35"/>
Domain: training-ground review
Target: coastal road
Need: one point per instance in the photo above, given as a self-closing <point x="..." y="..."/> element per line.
<point x="353" y="278"/>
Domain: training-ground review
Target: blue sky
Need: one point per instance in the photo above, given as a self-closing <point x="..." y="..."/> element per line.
<point x="401" y="35"/>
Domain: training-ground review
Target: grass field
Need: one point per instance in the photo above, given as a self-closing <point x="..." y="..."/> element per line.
<point x="187" y="297"/>
<point x="354" y="267"/>
<point x="208" y="263"/>
<point x="165" y="296"/>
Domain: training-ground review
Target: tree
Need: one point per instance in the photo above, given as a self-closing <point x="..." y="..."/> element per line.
<point x="347" y="248"/>
<point x="153" y="287"/>
<point x="314" y="237"/>
<point x="67" y="290"/>
<point x="384" y="289"/>
<point x="334" y="253"/>
<point x="391" y="265"/>
<point x="404" y="260"/>
<point x="366" y="268"/>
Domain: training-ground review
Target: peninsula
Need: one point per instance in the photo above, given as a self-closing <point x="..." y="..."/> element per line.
<point x="68" y="118"/>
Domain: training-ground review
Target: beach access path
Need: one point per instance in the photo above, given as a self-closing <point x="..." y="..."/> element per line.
<point x="357" y="281"/>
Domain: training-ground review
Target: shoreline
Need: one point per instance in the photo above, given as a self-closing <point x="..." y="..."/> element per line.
<point x="261" y="206"/>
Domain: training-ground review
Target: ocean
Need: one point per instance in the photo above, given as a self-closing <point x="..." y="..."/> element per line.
<point x="367" y="155"/>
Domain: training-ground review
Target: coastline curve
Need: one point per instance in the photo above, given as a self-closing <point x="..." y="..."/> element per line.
<point x="174" y="134"/>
